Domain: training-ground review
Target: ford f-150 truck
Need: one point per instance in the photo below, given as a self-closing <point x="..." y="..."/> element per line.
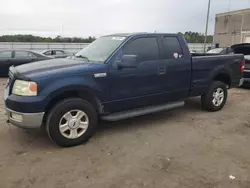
<point x="116" y="77"/>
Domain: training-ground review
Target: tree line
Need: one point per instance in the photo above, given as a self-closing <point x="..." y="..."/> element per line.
<point x="31" y="38"/>
<point x="191" y="37"/>
<point x="195" y="37"/>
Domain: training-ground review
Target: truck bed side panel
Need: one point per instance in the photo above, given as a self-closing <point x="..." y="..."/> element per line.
<point x="206" y="68"/>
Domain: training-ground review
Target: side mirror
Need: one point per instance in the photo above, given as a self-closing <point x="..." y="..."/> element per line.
<point x="127" y="61"/>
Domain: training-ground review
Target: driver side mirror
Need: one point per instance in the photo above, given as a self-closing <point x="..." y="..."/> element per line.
<point x="127" y="61"/>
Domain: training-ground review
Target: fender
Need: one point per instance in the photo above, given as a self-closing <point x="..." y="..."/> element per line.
<point x="73" y="84"/>
<point x="221" y="69"/>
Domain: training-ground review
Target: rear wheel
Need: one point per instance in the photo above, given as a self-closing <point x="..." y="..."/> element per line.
<point x="71" y="122"/>
<point x="216" y="97"/>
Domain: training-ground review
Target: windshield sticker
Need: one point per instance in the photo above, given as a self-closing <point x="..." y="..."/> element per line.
<point x="118" y="38"/>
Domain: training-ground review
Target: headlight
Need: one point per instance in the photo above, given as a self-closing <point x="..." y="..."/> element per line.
<point x="24" y="88"/>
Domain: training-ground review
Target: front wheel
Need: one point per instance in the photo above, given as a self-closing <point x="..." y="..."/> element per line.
<point x="71" y="122"/>
<point x="216" y="97"/>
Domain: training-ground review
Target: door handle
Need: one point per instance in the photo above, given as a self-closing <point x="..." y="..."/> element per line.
<point x="161" y="70"/>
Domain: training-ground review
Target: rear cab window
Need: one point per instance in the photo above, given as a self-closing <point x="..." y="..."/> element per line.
<point x="172" y="48"/>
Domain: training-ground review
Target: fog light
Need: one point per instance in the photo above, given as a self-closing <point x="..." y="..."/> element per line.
<point x="16" y="117"/>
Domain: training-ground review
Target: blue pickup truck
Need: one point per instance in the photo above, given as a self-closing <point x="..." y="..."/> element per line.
<point x="116" y="77"/>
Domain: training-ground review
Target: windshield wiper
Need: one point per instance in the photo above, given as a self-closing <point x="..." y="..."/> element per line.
<point x="81" y="56"/>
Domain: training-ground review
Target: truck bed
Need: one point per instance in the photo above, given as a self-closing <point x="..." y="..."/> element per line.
<point x="203" y="54"/>
<point x="205" y="67"/>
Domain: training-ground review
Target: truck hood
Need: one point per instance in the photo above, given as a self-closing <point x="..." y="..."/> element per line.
<point x="55" y="66"/>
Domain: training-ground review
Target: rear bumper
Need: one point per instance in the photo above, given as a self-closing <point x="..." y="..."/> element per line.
<point x="25" y="120"/>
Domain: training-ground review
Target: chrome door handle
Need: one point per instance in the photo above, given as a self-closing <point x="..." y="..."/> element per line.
<point x="161" y="71"/>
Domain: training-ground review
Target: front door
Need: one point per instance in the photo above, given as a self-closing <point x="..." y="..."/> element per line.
<point x="136" y="87"/>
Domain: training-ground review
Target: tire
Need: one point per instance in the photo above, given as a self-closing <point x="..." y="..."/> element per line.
<point x="70" y="108"/>
<point x="207" y="100"/>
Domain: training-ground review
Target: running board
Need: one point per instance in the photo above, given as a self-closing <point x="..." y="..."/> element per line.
<point x="141" y="111"/>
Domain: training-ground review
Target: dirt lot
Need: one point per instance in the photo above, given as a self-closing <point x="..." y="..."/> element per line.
<point x="186" y="147"/>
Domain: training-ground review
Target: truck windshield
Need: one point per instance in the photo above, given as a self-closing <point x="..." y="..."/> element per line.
<point x="100" y="49"/>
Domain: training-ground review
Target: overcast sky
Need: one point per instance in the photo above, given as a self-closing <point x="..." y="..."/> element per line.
<point x="98" y="17"/>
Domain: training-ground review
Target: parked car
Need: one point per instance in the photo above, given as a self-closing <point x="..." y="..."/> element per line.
<point x="244" y="48"/>
<point x="226" y="50"/>
<point x="56" y="53"/>
<point x="17" y="57"/>
<point x="215" y="51"/>
<point x="116" y="77"/>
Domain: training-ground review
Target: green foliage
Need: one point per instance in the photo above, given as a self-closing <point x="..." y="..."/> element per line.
<point x="31" y="38"/>
<point x="191" y="37"/>
<point x="195" y="37"/>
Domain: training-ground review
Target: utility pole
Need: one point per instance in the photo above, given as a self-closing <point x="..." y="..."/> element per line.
<point x="229" y="5"/>
<point x="208" y="10"/>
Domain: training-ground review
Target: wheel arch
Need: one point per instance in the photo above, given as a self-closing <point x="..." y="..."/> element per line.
<point x="222" y="74"/>
<point x="223" y="77"/>
<point x="84" y="93"/>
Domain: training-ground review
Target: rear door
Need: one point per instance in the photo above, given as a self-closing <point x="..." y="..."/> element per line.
<point x="176" y="83"/>
<point x="6" y="58"/>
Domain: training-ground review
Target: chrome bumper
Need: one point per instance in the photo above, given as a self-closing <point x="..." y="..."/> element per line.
<point x="25" y="120"/>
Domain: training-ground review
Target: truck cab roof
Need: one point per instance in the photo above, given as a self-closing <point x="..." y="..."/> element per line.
<point x="140" y="34"/>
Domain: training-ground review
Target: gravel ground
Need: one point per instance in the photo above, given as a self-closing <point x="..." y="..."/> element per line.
<point x="185" y="147"/>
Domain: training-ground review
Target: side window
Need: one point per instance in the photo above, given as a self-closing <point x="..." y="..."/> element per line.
<point x="172" y="48"/>
<point x="146" y="49"/>
<point x="23" y="54"/>
<point x="59" y="53"/>
<point x="5" y="54"/>
<point x="47" y="53"/>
